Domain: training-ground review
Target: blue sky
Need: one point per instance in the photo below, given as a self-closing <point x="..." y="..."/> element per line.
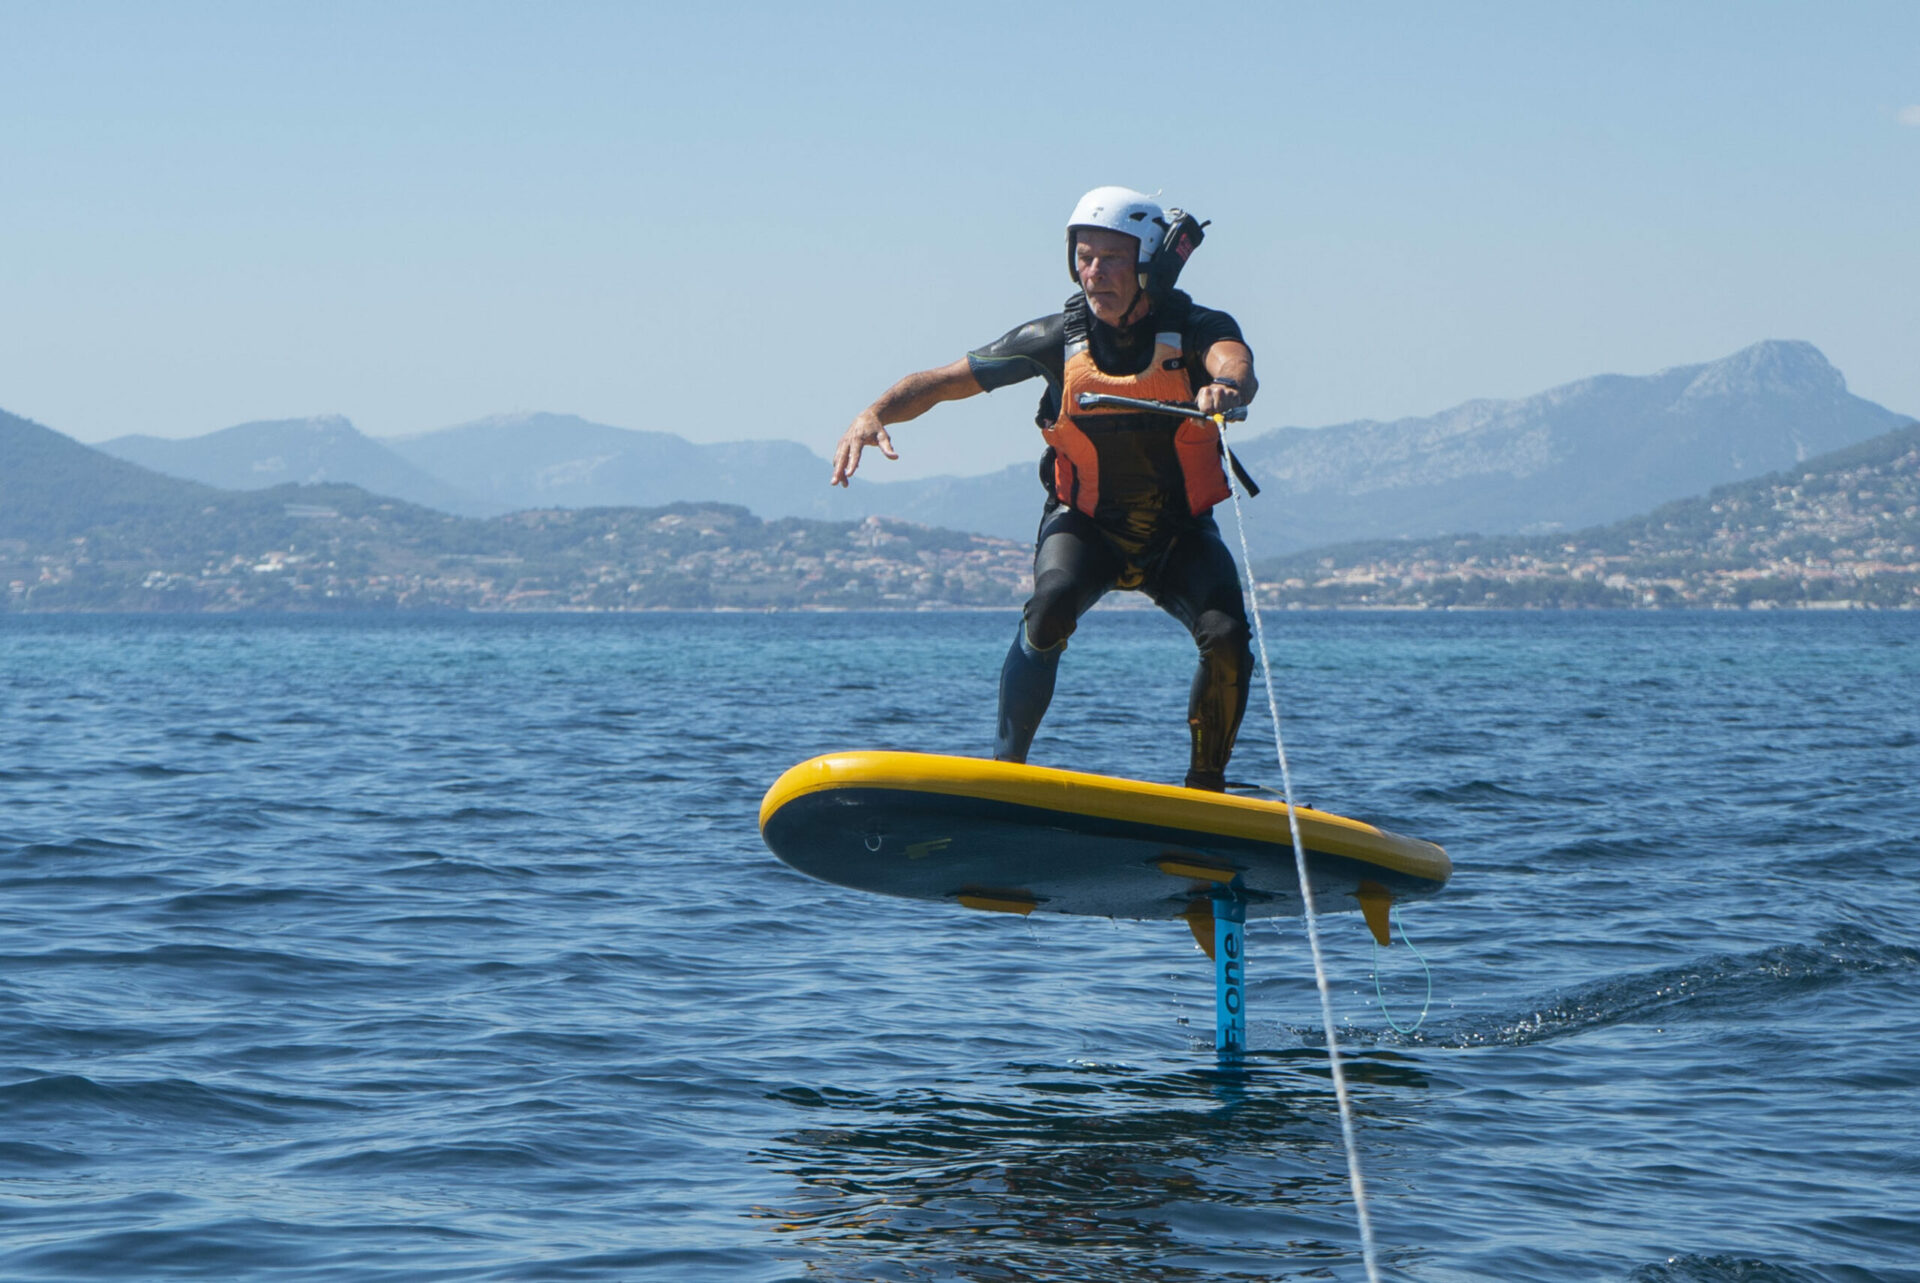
<point x="745" y="220"/>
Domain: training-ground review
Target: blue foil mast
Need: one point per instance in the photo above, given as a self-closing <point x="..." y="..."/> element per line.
<point x="1229" y="972"/>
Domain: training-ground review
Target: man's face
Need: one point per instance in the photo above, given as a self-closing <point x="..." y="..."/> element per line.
<point x="1108" y="265"/>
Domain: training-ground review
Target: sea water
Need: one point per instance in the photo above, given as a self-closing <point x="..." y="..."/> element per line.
<point x="372" y="948"/>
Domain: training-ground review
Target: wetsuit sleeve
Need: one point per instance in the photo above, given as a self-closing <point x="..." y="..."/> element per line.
<point x="1205" y="327"/>
<point x="1036" y="350"/>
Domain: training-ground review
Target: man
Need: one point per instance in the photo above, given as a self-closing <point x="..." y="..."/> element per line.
<point x="1129" y="494"/>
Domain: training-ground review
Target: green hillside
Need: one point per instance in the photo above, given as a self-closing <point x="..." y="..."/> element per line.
<point x="51" y="486"/>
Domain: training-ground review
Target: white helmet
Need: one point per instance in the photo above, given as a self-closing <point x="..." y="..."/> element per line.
<point x="1123" y="210"/>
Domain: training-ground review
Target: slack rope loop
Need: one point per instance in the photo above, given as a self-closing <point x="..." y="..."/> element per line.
<point x="1306" y="900"/>
<point x="1425" y="1005"/>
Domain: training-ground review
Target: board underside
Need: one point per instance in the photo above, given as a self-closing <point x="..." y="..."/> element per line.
<point x="1019" y="838"/>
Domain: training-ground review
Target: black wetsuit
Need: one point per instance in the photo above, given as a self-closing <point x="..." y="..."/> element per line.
<point x="1142" y="537"/>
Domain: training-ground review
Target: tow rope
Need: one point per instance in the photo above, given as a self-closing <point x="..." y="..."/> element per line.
<point x="1354" y="1177"/>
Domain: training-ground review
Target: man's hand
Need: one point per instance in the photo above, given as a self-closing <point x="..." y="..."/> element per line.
<point x="1227" y="359"/>
<point x="908" y="399"/>
<point x="867" y="430"/>
<point x="1217" y="398"/>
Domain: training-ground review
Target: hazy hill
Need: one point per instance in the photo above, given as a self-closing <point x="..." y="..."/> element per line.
<point x="563" y="461"/>
<point x="1589" y="452"/>
<point x="326" y="448"/>
<point x="52" y="487"/>
<point x="517" y="461"/>
<point x="55" y="491"/>
<point x="1842" y="527"/>
<point x="1006" y="503"/>
<point x="82" y="530"/>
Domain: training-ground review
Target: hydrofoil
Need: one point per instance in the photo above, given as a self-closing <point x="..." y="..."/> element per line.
<point x="1005" y="837"/>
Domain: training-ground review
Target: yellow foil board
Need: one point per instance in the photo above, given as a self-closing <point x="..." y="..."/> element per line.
<point x="1020" y="839"/>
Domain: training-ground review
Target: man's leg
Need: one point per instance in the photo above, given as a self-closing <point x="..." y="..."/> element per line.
<point x="1199" y="585"/>
<point x="1073" y="566"/>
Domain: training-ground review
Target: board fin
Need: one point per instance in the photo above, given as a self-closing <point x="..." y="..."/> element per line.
<point x="1375" y="904"/>
<point x="1199" y="920"/>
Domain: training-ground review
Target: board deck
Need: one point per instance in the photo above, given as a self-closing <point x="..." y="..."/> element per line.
<point x="1019" y="839"/>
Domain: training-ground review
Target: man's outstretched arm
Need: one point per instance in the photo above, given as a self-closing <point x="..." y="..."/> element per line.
<point x="908" y="399"/>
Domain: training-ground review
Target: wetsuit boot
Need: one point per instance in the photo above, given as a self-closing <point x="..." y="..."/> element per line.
<point x="1026" y="688"/>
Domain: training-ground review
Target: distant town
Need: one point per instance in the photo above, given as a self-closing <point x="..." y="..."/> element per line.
<point x="691" y="557"/>
<point x="1841" y="532"/>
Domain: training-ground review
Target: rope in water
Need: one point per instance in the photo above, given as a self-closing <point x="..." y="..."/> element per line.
<point x="1306" y="899"/>
<point x="1380" y="993"/>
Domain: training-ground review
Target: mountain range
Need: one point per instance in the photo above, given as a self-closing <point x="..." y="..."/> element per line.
<point x="81" y="530"/>
<point x="1593" y="451"/>
<point x="326" y="448"/>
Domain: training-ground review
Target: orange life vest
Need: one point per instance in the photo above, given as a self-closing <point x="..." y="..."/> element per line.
<point x="1076" y="455"/>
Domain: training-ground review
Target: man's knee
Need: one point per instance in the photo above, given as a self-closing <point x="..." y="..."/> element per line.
<point x="1224" y="634"/>
<point x="1052" y="611"/>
